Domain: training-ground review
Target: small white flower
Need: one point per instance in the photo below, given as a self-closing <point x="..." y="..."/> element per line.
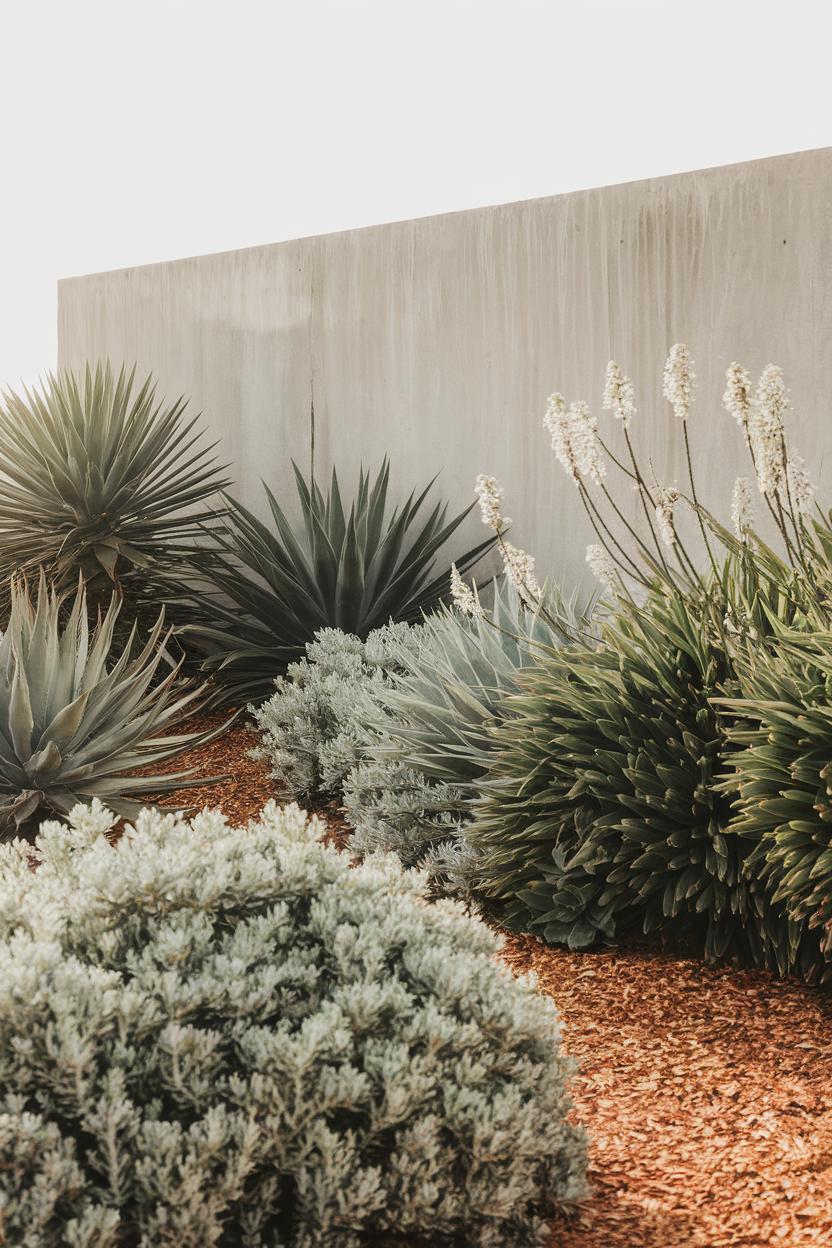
<point x="742" y="512"/>
<point x="585" y="444"/>
<point x="801" y="489"/>
<point x="557" y="421"/>
<point x="490" y="496"/>
<point x="603" y="567"/>
<point x="666" y="498"/>
<point x="737" y="397"/>
<point x="575" y="439"/>
<point x="679" y="379"/>
<point x="619" y="395"/>
<point x="464" y="597"/>
<point x="771" y="403"/>
<point x="520" y="567"/>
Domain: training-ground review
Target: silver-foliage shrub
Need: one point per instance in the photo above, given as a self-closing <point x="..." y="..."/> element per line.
<point x="313" y="725"/>
<point x="216" y="1036"/>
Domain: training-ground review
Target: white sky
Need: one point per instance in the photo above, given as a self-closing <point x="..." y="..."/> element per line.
<point x="142" y="131"/>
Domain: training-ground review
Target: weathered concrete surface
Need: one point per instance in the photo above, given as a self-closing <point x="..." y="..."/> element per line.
<point x="438" y="340"/>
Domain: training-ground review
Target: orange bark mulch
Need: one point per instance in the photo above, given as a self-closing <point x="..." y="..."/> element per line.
<point x="707" y="1093"/>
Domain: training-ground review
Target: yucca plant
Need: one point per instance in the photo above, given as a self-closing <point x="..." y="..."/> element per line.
<point x="72" y="723"/>
<point x="262" y="594"/>
<point x="781" y="779"/>
<point x="97" y="476"/>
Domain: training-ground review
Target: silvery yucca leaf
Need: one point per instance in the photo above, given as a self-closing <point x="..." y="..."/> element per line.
<point x="100" y="477"/>
<point x="74" y="717"/>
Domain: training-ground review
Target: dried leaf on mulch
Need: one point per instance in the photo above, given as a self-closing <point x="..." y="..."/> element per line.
<point x="707" y="1093"/>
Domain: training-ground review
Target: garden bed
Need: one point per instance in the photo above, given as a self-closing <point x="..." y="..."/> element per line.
<point x="707" y="1092"/>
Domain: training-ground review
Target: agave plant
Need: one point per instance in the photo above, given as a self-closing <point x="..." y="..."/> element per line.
<point x="261" y="595"/>
<point x="429" y="736"/>
<point x="98" y="477"/>
<point x="70" y="725"/>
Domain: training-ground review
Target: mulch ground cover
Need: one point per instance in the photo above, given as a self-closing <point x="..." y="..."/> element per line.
<point x="707" y="1093"/>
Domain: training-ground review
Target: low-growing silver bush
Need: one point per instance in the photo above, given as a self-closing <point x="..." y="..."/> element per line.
<point x="313" y="725"/>
<point x="216" y="1036"/>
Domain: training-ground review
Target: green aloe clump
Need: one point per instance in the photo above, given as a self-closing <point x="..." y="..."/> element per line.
<point x="99" y="477"/>
<point x="262" y="593"/>
<point x="74" y="717"/>
<point x="606" y="811"/>
<point x="781" y="779"/>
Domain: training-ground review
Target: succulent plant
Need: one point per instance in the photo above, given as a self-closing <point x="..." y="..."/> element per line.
<point x="99" y="477"/>
<point x="71" y="723"/>
<point x="429" y="742"/>
<point x="781" y="782"/>
<point x="604" y="812"/>
<point x="261" y="595"/>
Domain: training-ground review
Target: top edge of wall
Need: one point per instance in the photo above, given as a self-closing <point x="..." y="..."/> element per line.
<point x="638" y="184"/>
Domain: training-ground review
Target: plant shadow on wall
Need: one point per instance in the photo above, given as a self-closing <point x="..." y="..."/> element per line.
<point x="652" y="783"/>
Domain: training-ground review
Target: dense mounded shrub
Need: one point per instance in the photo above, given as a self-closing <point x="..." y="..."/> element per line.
<point x="76" y="714"/>
<point x="605" y="810"/>
<point x="429" y="729"/>
<point x="314" y="724"/>
<point x="100" y="477"/>
<point x="217" y="1036"/>
<point x="781" y="778"/>
<point x="262" y="593"/>
<point x="608" y="808"/>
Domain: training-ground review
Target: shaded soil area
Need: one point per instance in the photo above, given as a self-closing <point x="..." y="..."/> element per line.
<point x="707" y="1093"/>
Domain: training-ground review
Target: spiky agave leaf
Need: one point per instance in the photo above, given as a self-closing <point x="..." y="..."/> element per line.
<point x="98" y="476"/>
<point x="604" y="813"/>
<point x="73" y="721"/>
<point x="436" y="714"/>
<point x="429" y="740"/>
<point x="781" y="725"/>
<point x="262" y="593"/>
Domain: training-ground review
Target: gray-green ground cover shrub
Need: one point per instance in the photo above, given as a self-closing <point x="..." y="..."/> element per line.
<point x="314" y="724"/>
<point x="262" y="593"/>
<point x="75" y="715"/>
<point x="217" y="1036"/>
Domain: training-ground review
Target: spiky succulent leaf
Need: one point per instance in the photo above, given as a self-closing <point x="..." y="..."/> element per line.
<point x="74" y="717"/>
<point x="262" y="593"/>
<point x="782" y="771"/>
<point x="428" y="732"/>
<point x="604" y="811"/>
<point x="98" y="476"/>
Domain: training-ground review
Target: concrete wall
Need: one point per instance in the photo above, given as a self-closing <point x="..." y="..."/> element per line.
<point x="439" y="339"/>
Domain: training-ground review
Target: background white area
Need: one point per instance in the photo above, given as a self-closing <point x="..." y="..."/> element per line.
<point x="146" y="131"/>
